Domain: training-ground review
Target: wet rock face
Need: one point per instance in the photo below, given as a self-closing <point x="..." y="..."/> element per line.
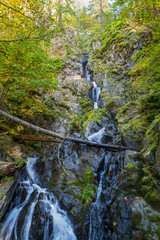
<point x="144" y="220"/>
<point x="157" y="164"/>
<point x="7" y="191"/>
<point x="120" y="222"/>
<point x="66" y="201"/>
<point x="111" y="212"/>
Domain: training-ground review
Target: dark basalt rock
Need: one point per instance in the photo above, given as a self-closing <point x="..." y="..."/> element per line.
<point x="7" y="191"/>
<point x="66" y="201"/>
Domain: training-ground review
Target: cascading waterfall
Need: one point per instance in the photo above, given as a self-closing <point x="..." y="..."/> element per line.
<point x="95" y="90"/>
<point x="105" y="208"/>
<point x="35" y="214"/>
<point x="99" y="229"/>
<point x="95" y="94"/>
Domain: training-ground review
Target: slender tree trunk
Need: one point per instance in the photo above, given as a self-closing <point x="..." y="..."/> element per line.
<point x="101" y="14"/>
<point x="60" y="14"/>
<point x="108" y="147"/>
<point x="156" y="11"/>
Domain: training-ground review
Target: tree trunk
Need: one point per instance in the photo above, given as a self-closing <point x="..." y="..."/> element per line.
<point x="35" y="138"/>
<point x="60" y="14"/>
<point x="108" y="147"/>
<point x="102" y="14"/>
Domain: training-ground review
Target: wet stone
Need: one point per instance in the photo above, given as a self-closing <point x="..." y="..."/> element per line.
<point x="66" y="201"/>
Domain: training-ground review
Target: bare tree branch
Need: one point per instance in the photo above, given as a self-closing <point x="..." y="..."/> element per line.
<point x="113" y="148"/>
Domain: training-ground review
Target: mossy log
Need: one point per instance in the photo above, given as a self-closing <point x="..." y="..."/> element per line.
<point x="108" y="147"/>
<point x="7" y="168"/>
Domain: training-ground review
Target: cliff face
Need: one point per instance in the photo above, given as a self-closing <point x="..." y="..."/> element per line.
<point x="138" y="123"/>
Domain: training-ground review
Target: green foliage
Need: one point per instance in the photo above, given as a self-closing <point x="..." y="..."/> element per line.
<point x="158" y="230"/>
<point x="20" y="161"/>
<point x="9" y="179"/>
<point x="80" y="121"/>
<point x="146" y="71"/>
<point x="155" y="218"/>
<point x="112" y="33"/>
<point x="28" y="68"/>
<point x="142" y="12"/>
<point x="86" y="105"/>
<point x="87" y="187"/>
<point x="94" y="115"/>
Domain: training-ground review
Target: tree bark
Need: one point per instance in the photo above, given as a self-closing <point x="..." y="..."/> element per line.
<point x="108" y="147"/>
<point x="102" y="14"/>
<point x="35" y="138"/>
<point x="60" y="14"/>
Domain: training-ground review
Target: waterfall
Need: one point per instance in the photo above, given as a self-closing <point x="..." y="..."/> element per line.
<point x="95" y="90"/>
<point x="97" y="137"/>
<point x="99" y="229"/>
<point x="35" y="214"/>
<point x="95" y="94"/>
<point x="109" y="214"/>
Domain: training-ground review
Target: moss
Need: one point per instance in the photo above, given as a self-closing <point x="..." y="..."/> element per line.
<point x="147" y="179"/>
<point x="131" y="168"/>
<point x="20" y="161"/>
<point x="152" y="134"/>
<point x="87" y="187"/>
<point x="145" y="189"/>
<point x="153" y="198"/>
<point x="112" y="102"/>
<point x="146" y="171"/>
<point x="158" y="230"/>
<point x="80" y="121"/>
<point x="136" y="219"/>
<point x="114" y="71"/>
<point x="123" y="44"/>
<point x="86" y="105"/>
<point x="155" y="218"/>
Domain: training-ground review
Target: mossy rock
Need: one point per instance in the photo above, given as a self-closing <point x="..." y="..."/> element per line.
<point x="147" y="179"/>
<point x="145" y="189"/>
<point x="153" y="198"/>
<point x="155" y="218"/>
<point x="115" y="71"/>
<point x="158" y="231"/>
<point x="131" y="168"/>
<point x="86" y="186"/>
<point x="136" y="219"/>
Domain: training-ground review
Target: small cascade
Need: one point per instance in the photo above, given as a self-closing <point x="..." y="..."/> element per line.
<point x="35" y="214"/>
<point x="97" y="137"/>
<point x="109" y="215"/>
<point x="95" y="94"/>
<point x="99" y="229"/>
<point x="95" y="90"/>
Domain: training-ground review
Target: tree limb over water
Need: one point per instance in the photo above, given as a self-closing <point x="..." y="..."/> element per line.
<point x="108" y="147"/>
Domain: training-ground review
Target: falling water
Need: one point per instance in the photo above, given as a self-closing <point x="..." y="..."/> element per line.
<point x="35" y="214"/>
<point x="95" y="94"/>
<point x="101" y="225"/>
<point x="99" y="219"/>
<point x="97" y="137"/>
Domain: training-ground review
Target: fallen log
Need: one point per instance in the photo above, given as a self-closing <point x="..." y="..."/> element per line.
<point x="35" y="138"/>
<point x="108" y="147"/>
